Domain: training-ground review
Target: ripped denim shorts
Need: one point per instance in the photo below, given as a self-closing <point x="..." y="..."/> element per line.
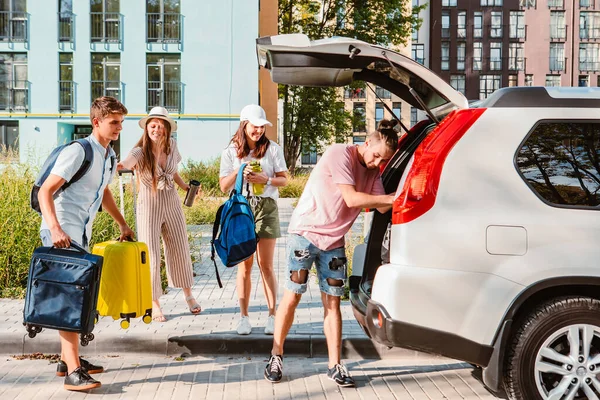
<point x="331" y="266"/>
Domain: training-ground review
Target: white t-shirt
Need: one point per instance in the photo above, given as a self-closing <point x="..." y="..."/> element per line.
<point x="77" y="206"/>
<point x="272" y="162"/>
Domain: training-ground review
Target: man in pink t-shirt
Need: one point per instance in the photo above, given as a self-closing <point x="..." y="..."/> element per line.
<point x="345" y="180"/>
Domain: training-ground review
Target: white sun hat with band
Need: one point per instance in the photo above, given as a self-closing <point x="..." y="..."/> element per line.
<point x="255" y="115"/>
<point x="160" y="113"/>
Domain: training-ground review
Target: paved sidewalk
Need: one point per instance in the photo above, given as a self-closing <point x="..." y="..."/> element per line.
<point x="213" y="331"/>
<point x="159" y="377"/>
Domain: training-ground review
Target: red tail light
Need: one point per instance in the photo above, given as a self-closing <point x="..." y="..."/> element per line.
<point x="421" y="185"/>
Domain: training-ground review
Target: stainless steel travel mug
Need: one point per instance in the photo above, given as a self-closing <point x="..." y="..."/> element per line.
<point x="191" y="193"/>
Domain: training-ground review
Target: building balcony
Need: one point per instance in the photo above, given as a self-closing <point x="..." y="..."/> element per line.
<point x="106" y="88"/>
<point x="13" y="26"/>
<point x="590" y="33"/>
<point x="589" y="66"/>
<point x="517" y="32"/>
<point x="557" y="64"/>
<point x="66" y="25"/>
<point x="558" y="33"/>
<point x="105" y="27"/>
<point x="14" y="95"/>
<point x="355" y="94"/>
<point x="66" y="96"/>
<point x="163" y="27"/>
<point x="165" y="94"/>
<point x="383" y="93"/>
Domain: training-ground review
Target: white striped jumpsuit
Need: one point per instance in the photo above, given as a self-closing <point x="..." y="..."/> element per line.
<point x="161" y="213"/>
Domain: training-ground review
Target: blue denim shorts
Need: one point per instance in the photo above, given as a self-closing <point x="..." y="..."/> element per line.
<point x="301" y="256"/>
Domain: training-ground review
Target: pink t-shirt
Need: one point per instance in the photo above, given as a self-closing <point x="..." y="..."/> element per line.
<point x="322" y="215"/>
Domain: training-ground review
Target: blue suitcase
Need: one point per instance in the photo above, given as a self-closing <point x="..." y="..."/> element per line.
<point x="62" y="291"/>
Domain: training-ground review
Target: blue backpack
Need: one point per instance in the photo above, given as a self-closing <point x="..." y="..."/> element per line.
<point x="236" y="240"/>
<point x="49" y="164"/>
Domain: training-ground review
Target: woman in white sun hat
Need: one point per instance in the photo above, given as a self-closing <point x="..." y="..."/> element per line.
<point x="251" y="144"/>
<point x="155" y="158"/>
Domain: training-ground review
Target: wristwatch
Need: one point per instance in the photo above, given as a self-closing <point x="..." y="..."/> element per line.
<point x="269" y="181"/>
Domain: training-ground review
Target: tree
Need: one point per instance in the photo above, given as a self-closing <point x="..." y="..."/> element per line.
<point x="313" y="117"/>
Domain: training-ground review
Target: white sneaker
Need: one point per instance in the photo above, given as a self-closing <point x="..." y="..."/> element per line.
<point x="270" y="327"/>
<point x="244" y="327"/>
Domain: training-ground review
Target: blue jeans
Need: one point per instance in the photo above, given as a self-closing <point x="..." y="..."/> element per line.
<point x="330" y="264"/>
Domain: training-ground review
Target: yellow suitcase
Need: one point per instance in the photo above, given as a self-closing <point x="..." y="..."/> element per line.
<point x="125" y="285"/>
<point x="125" y="288"/>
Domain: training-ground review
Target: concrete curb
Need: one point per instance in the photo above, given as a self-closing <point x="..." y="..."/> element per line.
<point x="353" y="347"/>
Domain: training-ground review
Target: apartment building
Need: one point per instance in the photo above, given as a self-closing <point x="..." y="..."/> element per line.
<point x="197" y="59"/>
<point x="480" y="46"/>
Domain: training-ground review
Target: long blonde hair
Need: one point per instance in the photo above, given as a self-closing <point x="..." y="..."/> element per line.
<point x="148" y="161"/>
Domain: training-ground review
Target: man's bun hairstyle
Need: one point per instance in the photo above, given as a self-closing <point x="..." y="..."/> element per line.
<point x="386" y="131"/>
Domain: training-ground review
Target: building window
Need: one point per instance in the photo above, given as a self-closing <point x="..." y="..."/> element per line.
<point x="164" y="81"/>
<point x="516" y="59"/>
<point x="383" y="93"/>
<point x="558" y="161"/>
<point x="359" y="139"/>
<point x="13" y="20"/>
<point x="478" y="24"/>
<point x="448" y="3"/>
<point x="586" y="3"/>
<point x="65" y="21"/>
<point x="589" y="25"/>
<point x="460" y="56"/>
<point x="445" y="24"/>
<point x="355" y="93"/>
<point x="496" y="27"/>
<point x="105" y="21"/>
<point x="491" y="3"/>
<point x="414" y="117"/>
<point x="415" y="31"/>
<point x="488" y="84"/>
<point x="397" y="109"/>
<point x="359" y="118"/>
<point x="588" y="56"/>
<point x="9" y="139"/>
<point x="445" y="62"/>
<point x="556" y="3"/>
<point x="309" y="158"/>
<point x="379" y="112"/>
<point x="495" y="56"/>
<point x="418" y="53"/>
<point x="163" y="21"/>
<point x="552" y="80"/>
<point x="517" y="25"/>
<point x="66" y="93"/>
<point x="557" y="56"/>
<point x="584" y="81"/>
<point x="558" y="30"/>
<point x="477" y="56"/>
<point x="106" y="75"/>
<point x="461" y="28"/>
<point x="458" y="82"/>
<point x="529" y="80"/>
<point x="513" y="81"/>
<point x="527" y="3"/>
<point x="14" y="86"/>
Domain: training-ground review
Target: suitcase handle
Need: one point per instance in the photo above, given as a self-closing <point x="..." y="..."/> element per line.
<point x="127" y="239"/>
<point x="73" y="246"/>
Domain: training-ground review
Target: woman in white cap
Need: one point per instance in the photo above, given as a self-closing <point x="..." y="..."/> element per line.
<point x="251" y="144"/>
<point x="155" y="158"/>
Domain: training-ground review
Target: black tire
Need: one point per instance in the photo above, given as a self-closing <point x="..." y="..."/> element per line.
<point x="533" y="330"/>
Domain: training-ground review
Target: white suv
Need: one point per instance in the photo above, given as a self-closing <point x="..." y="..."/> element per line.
<point x="494" y="238"/>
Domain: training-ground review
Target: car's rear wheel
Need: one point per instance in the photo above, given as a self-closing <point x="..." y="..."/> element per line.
<point x="555" y="354"/>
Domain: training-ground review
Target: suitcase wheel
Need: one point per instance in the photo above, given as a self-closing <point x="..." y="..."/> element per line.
<point x="124" y="324"/>
<point x="147" y="319"/>
<point x="32" y="334"/>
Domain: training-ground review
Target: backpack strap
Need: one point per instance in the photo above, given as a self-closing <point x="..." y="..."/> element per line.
<point x="239" y="181"/>
<point x="212" y="242"/>
<point x="85" y="165"/>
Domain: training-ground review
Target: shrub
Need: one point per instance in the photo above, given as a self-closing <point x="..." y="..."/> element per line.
<point x="295" y="186"/>
<point x="207" y="173"/>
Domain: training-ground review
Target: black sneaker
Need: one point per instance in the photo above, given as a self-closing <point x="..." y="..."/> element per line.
<point x="61" y="367"/>
<point x="339" y="374"/>
<point x="79" y="380"/>
<point x="274" y="369"/>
